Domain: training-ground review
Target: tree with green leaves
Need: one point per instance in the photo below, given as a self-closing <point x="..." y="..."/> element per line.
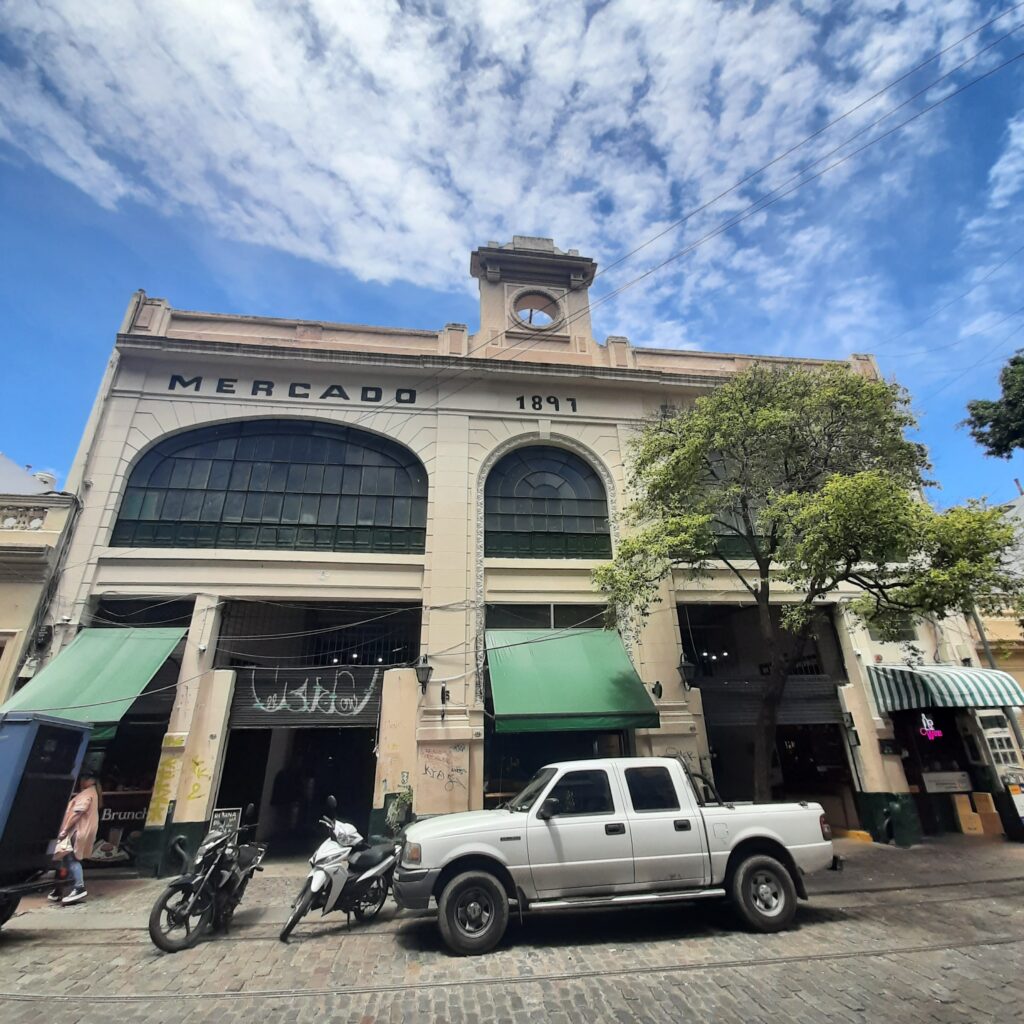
<point x="803" y="477"/>
<point x="999" y="426"/>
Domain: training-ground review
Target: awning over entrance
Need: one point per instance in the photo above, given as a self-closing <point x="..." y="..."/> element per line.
<point x="574" y="679"/>
<point x="901" y="688"/>
<point x="98" y="676"/>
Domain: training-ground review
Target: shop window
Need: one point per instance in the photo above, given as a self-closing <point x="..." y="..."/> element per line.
<point x="545" y="616"/>
<point x="651" y="789"/>
<point x="289" y="484"/>
<point x="543" y="502"/>
<point x="584" y="792"/>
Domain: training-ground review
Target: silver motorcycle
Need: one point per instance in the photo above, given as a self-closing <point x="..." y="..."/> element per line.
<point x="345" y="874"/>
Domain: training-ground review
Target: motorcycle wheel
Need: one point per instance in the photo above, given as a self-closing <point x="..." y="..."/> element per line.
<point x="299" y="911"/>
<point x="169" y="927"/>
<point x="372" y="901"/>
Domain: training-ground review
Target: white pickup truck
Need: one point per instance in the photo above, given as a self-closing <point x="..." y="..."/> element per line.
<point x="606" y="833"/>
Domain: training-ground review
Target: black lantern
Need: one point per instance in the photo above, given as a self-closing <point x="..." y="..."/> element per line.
<point x="687" y="670"/>
<point x="424" y="670"/>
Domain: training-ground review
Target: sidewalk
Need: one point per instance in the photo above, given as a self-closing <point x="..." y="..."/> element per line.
<point x="948" y="860"/>
<point x="124" y="903"/>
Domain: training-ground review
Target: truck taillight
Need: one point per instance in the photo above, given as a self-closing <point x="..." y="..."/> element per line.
<point x="826" y="828"/>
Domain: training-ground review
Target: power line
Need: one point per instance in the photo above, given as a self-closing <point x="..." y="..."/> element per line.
<point x="953" y="380"/>
<point x="941" y="309"/>
<point x="756" y="207"/>
<point x="761" y="204"/>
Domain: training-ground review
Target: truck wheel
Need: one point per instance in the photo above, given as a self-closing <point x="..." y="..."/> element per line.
<point x="473" y="913"/>
<point x="763" y="893"/>
<point x="8" y="905"/>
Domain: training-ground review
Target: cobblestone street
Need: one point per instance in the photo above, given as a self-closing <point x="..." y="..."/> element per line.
<point x="931" y="934"/>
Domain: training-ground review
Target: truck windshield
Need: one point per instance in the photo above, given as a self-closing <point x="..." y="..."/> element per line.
<point x="524" y="801"/>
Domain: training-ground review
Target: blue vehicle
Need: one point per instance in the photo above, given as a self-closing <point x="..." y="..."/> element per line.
<point x="40" y="757"/>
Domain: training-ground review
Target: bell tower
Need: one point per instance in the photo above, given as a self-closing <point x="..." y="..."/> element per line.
<point x="533" y="295"/>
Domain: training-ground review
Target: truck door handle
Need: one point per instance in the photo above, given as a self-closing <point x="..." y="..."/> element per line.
<point x="682" y="824"/>
<point x="615" y="829"/>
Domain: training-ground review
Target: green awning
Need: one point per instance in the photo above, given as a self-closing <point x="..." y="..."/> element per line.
<point x="98" y="675"/>
<point x="557" y="680"/>
<point x="902" y="688"/>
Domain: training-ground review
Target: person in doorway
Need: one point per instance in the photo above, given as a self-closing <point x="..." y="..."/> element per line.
<point x="76" y="837"/>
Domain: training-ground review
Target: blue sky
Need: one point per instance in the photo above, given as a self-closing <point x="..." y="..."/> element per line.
<point x="339" y="161"/>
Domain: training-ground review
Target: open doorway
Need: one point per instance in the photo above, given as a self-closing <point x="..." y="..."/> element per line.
<point x="295" y="771"/>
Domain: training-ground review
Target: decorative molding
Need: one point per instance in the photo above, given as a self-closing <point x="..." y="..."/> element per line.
<point x="496" y="454"/>
<point x="22" y="517"/>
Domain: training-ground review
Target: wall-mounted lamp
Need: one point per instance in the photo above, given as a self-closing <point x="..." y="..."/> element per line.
<point x="424" y="670"/>
<point x="657" y="689"/>
<point x="687" y="671"/>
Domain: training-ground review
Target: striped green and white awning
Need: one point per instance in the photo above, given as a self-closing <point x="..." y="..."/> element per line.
<point x="900" y="688"/>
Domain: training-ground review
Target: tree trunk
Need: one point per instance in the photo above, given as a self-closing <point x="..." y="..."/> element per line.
<point x="784" y="650"/>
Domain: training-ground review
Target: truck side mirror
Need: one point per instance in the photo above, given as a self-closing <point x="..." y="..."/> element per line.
<point x="548" y="809"/>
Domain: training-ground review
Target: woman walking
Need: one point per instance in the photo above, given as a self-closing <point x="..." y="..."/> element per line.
<point x="77" y="835"/>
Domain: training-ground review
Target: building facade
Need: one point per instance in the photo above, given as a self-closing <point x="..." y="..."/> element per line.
<point x="334" y="558"/>
<point x="34" y="523"/>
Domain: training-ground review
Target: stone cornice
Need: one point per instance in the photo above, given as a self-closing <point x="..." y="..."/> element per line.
<point x="482" y="367"/>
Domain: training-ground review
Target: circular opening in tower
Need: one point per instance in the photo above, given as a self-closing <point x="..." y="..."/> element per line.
<point x="537" y="310"/>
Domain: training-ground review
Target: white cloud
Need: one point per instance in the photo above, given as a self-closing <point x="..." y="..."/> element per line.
<point x="389" y="139"/>
<point x="1006" y="178"/>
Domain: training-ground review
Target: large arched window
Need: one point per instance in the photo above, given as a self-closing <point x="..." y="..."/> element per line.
<point x="542" y="502"/>
<point x="292" y="484"/>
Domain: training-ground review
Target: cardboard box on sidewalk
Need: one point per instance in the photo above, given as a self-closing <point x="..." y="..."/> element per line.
<point x="983" y="803"/>
<point x="969" y="821"/>
<point x="991" y="823"/>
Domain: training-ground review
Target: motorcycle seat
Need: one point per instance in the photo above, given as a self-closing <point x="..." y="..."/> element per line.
<point x="366" y="859"/>
<point x="246" y="855"/>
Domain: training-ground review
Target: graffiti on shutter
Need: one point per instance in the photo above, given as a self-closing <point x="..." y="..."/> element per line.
<point x="306" y="698"/>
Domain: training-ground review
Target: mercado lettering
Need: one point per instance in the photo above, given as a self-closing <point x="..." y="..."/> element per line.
<point x="370" y="394"/>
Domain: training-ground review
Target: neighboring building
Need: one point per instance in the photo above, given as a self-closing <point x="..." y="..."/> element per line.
<point x="33" y="522"/>
<point x="1004" y="632"/>
<point x="281" y="517"/>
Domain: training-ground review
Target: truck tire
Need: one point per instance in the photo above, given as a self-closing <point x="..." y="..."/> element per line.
<point x="763" y="893"/>
<point x="8" y="905"/>
<point x="473" y="913"/>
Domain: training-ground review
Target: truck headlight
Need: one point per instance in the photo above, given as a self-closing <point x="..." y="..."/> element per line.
<point x="412" y="853"/>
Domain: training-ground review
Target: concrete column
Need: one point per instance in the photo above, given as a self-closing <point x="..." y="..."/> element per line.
<point x="396" y="742"/>
<point x="449" y="767"/>
<point x="196" y="664"/>
<point x="656" y="657"/>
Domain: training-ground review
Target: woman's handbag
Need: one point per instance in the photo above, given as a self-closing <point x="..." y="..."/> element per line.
<point x="64" y="847"/>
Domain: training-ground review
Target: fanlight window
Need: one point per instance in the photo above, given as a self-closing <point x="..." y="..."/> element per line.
<point x="289" y="484"/>
<point x="542" y="502"/>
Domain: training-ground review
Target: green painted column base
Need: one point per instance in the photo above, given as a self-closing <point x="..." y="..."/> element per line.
<point x="889" y="817"/>
<point x="153" y="856"/>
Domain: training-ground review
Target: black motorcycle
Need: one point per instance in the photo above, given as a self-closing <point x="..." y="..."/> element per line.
<point x="209" y="890"/>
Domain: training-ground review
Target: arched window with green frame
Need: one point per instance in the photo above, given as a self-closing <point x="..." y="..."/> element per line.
<point x="545" y="502"/>
<point x="275" y="483"/>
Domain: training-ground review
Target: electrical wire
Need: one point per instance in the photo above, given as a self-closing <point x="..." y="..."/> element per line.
<point x="953" y="380"/>
<point x="755" y="208"/>
<point x="941" y="309"/>
<point x="758" y="206"/>
<point x="173" y="686"/>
